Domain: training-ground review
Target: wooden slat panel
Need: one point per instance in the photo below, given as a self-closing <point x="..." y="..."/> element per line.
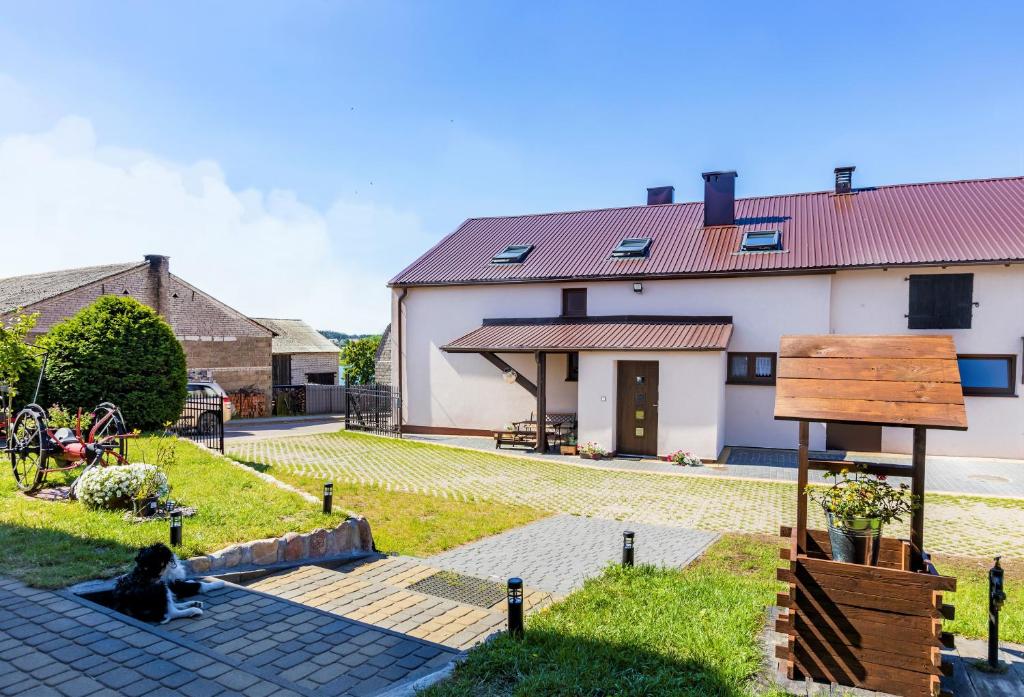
<point x="929" y="663"/>
<point x="839" y="346"/>
<point x="876" y="641"/>
<point x="877" y="390"/>
<point x="916" y="600"/>
<point x="870" y="676"/>
<point x="890" y="369"/>
<point x="952" y="416"/>
<point x="875" y="573"/>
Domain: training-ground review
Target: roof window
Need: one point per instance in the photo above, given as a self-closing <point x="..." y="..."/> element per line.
<point x="632" y="248"/>
<point x="761" y="241"/>
<point x="513" y="254"/>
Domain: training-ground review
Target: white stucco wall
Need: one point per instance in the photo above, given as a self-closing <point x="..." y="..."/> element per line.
<point x="876" y="302"/>
<point x="465" y="391"/>
<point x="691" y="398"/>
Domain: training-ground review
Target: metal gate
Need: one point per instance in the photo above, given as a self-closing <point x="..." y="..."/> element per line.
<point x="373" y="408"/>
<point x="325" y="399"/>
<point x="202" y="421"/>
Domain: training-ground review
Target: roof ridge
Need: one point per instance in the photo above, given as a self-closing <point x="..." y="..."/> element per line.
<point x="122" y="266"/>
<point x="744" y="198"/>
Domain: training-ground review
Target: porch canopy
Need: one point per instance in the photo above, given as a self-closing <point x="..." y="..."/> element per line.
<point x="615" y="333"/>
<point x="541" y="336"/>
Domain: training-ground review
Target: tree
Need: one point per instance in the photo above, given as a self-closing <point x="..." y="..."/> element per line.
<point x="18" y="362"/>
<point x="117" y="350"/>
<point x="358" y="360"/>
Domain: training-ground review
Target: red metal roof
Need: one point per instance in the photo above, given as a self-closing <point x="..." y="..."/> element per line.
<point x="596" y="334"/>
<point x="937" y="223"/>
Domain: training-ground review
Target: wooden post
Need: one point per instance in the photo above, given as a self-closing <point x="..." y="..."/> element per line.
<point x="917" y="489"/>
<point x="801" y="486"/>
<point x="542" y="407"/>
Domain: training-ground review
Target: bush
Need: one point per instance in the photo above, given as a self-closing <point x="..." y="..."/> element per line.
<point x="116" y="486"/>
<point x="358" y="359"/>
<point x="117" y="350"/>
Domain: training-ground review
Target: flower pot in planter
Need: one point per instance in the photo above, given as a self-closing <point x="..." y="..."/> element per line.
<point x="855" y="540"/>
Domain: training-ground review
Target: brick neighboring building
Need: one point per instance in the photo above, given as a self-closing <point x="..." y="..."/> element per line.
<point x="301" y="354"/>
<point x="382" y="361"/>
<point x="219" y="341"/>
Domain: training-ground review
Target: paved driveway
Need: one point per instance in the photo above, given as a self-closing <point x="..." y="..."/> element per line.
<point x="258" y="429"/>
<point x="959" y="525"/>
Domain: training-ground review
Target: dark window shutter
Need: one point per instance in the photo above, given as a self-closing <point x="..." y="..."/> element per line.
<point x="574" y="302"/>
<point x="941" y="301"/>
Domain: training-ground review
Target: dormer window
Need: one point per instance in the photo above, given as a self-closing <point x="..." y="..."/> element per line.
<point x="513" y="254"/>
<point x="761" y="241"/>
<point x="632" y="248"/>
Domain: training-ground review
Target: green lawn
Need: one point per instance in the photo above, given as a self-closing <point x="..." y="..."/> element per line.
<point x="971" y="598"/>
<point x="414" y="524"/>
<point x="51" y="544"/>
<point x="642" y="631"/>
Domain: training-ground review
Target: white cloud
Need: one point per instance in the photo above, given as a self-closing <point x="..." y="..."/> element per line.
<point x="68" y="200"/>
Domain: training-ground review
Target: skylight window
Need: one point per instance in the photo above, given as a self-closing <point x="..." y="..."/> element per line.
<point x="513" y="254"/>
<point x="632" y="248"/>
<point x="761" y="241"/>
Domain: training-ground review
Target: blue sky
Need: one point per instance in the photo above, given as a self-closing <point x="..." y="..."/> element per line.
<point x="354" y="134"/>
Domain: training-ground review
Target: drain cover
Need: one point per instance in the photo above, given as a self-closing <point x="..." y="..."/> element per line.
<point x="989" y="478"/>
<point x="461" y="589"/>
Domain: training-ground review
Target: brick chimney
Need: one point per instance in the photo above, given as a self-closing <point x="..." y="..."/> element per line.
<point x="159" y="281"/>
<point x="719" y="198"/>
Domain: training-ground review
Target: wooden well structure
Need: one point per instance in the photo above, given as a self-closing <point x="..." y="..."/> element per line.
<point x="873" y="627"/>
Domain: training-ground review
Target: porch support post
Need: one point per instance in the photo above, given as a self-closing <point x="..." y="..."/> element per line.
<point x="542" y="407"/>
<point x="917" y="489"/>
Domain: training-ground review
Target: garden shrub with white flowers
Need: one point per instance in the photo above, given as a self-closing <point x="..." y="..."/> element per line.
<point x="682" y="457"/>
<point x="118" y="485"/>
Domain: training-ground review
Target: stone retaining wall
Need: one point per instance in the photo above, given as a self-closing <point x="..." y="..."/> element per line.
<point x="350" y="538"/>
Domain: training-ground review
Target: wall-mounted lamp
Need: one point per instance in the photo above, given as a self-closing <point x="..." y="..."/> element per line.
<point x="510" y="376"/>
<point x="638" y="287"/>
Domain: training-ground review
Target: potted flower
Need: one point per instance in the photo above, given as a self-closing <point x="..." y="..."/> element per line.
<point x="684" y="458"/>
<point x="569" y="446"/>
<point x="592" y="451"/>
<point x="857" y="507"/>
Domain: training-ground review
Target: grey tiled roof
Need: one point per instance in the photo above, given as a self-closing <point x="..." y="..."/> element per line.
<point x="24" y="291"/>
<point x="295" y="336"/>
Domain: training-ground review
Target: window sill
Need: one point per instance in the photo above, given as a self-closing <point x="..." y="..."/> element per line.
<point x="757" y="383"/>
<point x="990" y="394"/>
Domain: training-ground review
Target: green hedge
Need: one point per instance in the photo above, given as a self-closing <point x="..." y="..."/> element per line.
<point x="117" y="350"/>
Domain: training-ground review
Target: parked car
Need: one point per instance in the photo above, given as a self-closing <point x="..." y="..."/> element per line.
<point x="199" y="394"/>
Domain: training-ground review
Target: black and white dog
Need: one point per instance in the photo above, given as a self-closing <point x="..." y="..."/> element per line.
<point x="149" y="591"/>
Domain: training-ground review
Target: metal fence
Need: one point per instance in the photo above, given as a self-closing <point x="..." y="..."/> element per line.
<point x="373" y="408"/>
<point x="202" y="421"/>
<point x="325" y="399"/>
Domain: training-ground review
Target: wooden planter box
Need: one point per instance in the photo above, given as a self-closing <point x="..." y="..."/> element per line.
<point x="872" y="627"/>
<point x="567" y="449"/>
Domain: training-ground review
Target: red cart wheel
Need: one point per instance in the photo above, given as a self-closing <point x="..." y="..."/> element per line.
<point x="108" y="433"/>
<point x="27" y="446"/>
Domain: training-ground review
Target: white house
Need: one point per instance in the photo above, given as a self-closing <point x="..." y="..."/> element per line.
<point x="658" y="325"/>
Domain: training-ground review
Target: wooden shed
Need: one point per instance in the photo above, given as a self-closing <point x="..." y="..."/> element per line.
<point x="873" y="627"/>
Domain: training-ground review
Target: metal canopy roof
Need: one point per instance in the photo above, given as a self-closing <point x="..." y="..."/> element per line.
<point x="596" y="334"/>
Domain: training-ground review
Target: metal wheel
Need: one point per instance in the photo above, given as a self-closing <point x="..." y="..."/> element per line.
<point x="107" y="433"/>
<point x="27" y="446"/>
<point x="207" y="423"/>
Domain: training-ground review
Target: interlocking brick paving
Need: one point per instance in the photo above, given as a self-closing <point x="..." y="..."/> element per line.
<point x="378" y="593"/>
<point x="954" y="525"/>
<point x="558" y="553"/>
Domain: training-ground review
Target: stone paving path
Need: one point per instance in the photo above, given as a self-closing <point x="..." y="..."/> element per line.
<point x="556" y="554"/>
<point x="377" y="593"/>
<point x="246" y="643"/>
<point x="954" y="525"/>
<point x="958" y="475"/>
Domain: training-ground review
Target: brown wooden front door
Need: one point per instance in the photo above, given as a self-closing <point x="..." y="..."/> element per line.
<point x="637" y="421"/>
<point x="864" y="438"/>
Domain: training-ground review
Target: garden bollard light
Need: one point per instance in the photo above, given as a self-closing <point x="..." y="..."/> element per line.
<point x="176" y="529"/>
<point x="170" y="505"/>
<point x="996" y="598"/>
<point x="515" y="608"/>
<point x="627" y="547"/>
<point x="328" y="496"/>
